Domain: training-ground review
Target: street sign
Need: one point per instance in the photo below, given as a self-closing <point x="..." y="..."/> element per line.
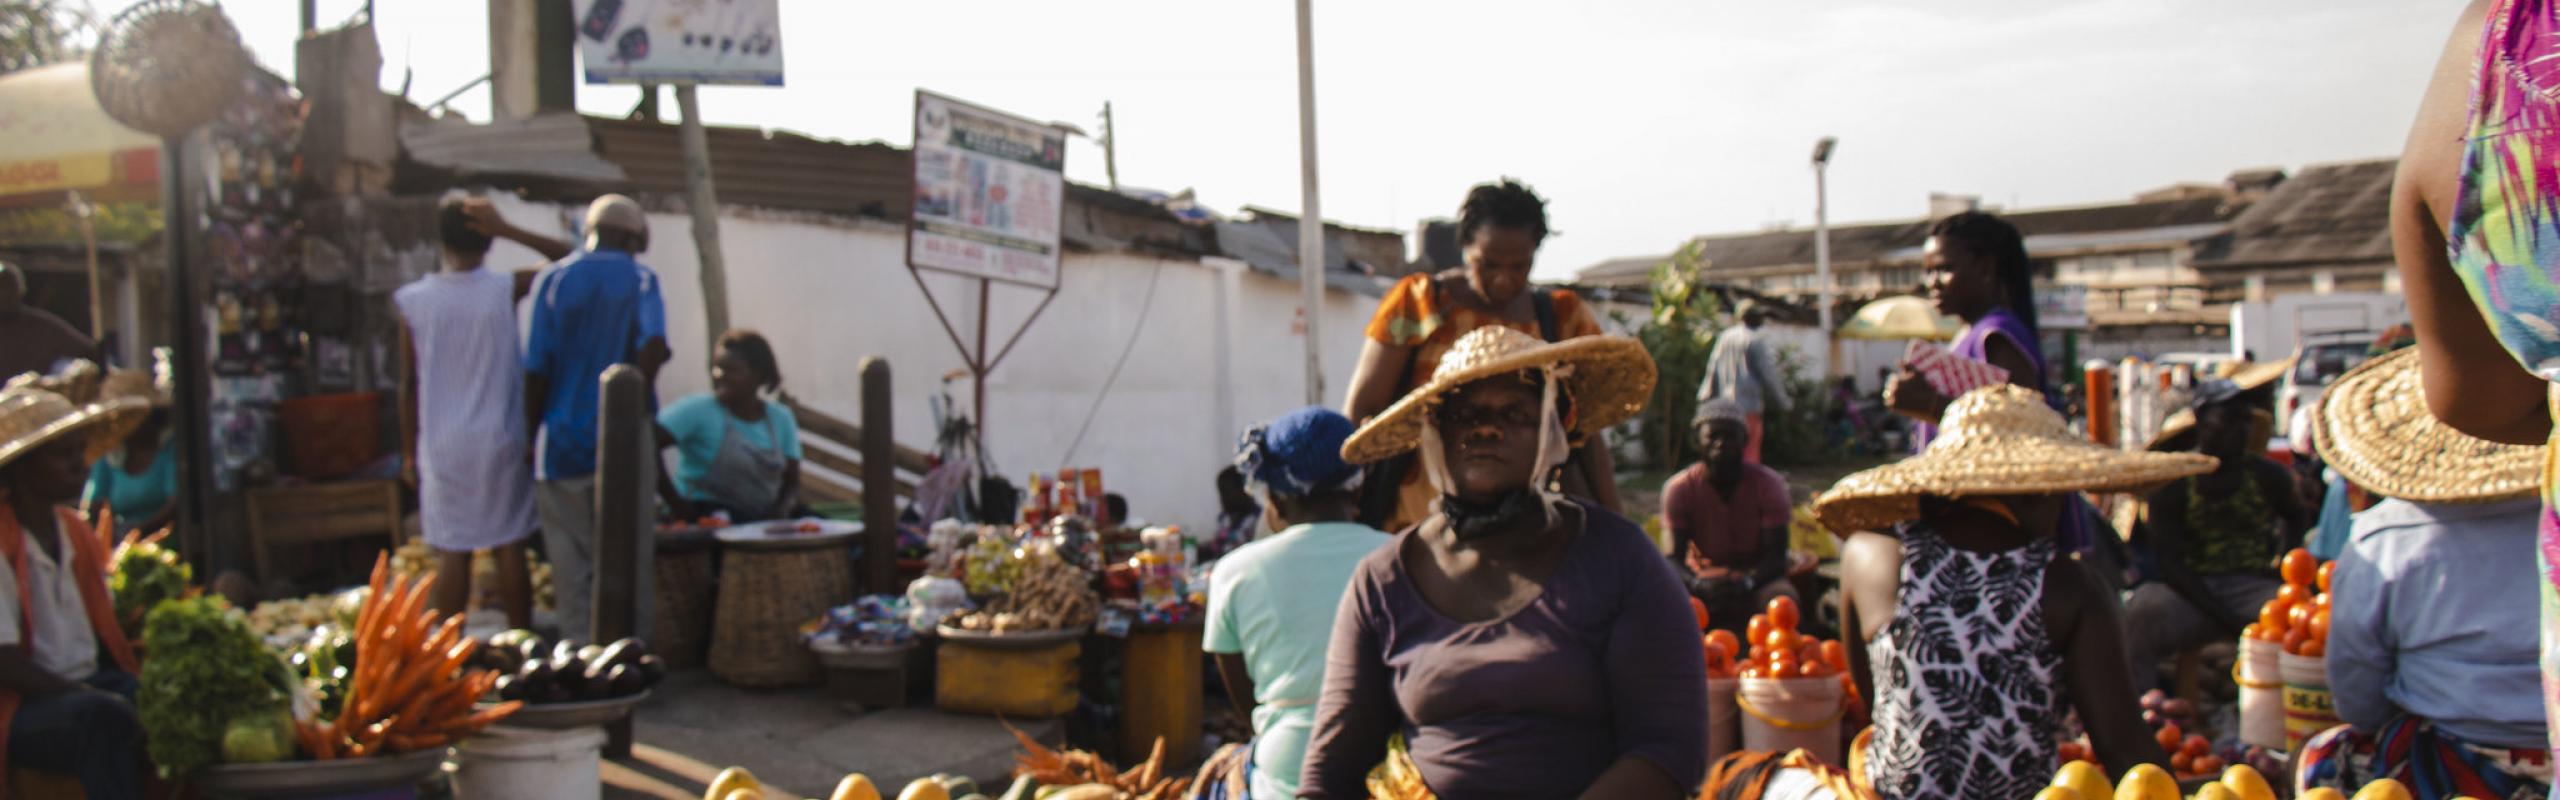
<point x="990" y="192"/>
<point x="680" y="41"/>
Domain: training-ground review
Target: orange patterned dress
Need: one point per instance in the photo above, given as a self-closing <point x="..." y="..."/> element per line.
<point x="1418" y="313"/>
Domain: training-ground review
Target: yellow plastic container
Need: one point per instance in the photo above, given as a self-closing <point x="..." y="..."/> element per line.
<point x="1023" y="683"/>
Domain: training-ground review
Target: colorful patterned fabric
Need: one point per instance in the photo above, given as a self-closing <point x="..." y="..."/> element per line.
<point x="2505" y="238"/>
<point x="2433" y="764"/>
<point x="1416" y="313"/>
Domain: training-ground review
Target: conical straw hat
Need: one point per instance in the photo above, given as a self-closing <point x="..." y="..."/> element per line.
<point x="32" y="416"/>
<point x="1997" y="440"/>
<point x="2375" y="429"/>
<point x="1612" y="377"/>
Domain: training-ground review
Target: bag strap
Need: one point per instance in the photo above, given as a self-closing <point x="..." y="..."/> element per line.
<point x="1544" y="305"/>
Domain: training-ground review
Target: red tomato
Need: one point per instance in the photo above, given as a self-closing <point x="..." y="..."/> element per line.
<point x="1813" y="669"/>
<point x="1782" y="612"/>
<point x="2298" y="619"/>
<point x="1699" y="607"/>
<point x="2197" y="747"/>
<point x="2182" y="764"/>
<point x="2169" y="736"/>
<point x="1782" y="665"/>
<point x="2295" y="638"/>
<point x="1732" y="646"/>
<point x="2271" y="618"/>
<point x="1782" y="640"/>
<point x="2208" y="765"/>
<point x="2320" y="626"/>
<point x="1835" y="654"/>
<point x="2323" y="578"/>
<point x="1758" y="630"/>
<point x="2292" y="595"/>
<point x="2300" y="569"/>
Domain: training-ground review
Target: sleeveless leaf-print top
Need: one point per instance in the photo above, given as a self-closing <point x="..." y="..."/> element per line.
<point x="1966" y="675"/>
<point x="2505" y="236"/>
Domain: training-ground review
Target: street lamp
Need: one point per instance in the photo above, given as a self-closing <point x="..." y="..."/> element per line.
<point x="1822" y="247"/>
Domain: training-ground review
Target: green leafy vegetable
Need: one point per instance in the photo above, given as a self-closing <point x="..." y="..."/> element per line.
<point x="145" y="575"/>
<point x="206" y="669"/>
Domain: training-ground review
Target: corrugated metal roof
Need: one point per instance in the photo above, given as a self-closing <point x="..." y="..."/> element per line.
<point x="556" y="146"/>
<point x="2332" y="213"/>
<point x="771" y="169"/>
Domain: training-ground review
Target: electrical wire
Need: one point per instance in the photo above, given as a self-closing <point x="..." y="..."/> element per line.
<point x="1144" y="306"/>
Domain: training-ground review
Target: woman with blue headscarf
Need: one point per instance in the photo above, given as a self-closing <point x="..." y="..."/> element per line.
<point x="1272" y="602"/>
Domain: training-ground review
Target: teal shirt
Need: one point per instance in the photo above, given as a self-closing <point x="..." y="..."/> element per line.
<point x="1274" y="602"/>
<point x="698" y="423"/>
<point x="133" y="498"/>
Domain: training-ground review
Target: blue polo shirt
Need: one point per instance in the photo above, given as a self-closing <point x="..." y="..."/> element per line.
<point x="593" y="310"/>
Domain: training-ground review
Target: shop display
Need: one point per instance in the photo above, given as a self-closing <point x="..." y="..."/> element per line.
<point x="1050" y="594"/>
<point x="411" y="687"/>
<point x="1083" y="774"/>
<point x="2082" y="780"/>
<point x="542" y="673"/>
<point x="205" y="673"/>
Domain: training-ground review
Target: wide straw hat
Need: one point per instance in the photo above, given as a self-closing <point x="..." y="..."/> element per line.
<point x="2375" y="429"/>
<point x="1997" y="440"/>
<point x="1611" y="378"/>
<point x="33" y="415"/>
<point x="2178" y="432"/>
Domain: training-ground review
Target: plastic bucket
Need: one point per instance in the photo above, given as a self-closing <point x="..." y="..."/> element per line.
<point x="1724" y="719"/>
<point x="502" y="763"/>
<point x="1782" y="715"/>
<point x="2307" y="706"/>
<point x="2261" y="680"/>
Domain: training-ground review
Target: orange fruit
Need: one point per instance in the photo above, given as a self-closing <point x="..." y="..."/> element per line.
<point x="1782" y="612"/>
<point x="2300" y="569"/>
<point x="2169" y="736"/>
<point x="2323" y="577"/>
<point x="1732" y="646"/>
<point x="1835" y="654"/>
<point x="1699" y="607"/>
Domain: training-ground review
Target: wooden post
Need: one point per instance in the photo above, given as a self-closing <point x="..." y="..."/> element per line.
<point x="879" y="482"/>
<point x="193" y="403"/>
<point x="705" y="204"/>
<point x="622" y="480"/>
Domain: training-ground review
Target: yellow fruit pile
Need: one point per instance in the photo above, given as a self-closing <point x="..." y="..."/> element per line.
<point x="2085" y="780"/>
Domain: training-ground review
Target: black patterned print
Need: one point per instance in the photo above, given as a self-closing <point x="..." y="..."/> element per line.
<point x="1967" y="695"/>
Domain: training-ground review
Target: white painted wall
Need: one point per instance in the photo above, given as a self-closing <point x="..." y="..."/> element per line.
<point x="830" y="294"/>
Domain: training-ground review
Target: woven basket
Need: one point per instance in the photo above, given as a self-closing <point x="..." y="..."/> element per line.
<point x="755" y="638"/>
<point x="682" y="627"/>
<point x="168" y="66"/>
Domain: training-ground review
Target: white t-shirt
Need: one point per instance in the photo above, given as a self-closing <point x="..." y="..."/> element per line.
<point x="64" y="644"/>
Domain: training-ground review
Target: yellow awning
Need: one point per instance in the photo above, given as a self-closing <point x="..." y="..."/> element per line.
<point x="53" y="136"/>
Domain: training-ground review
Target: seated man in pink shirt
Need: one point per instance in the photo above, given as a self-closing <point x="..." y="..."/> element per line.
<point x="1728" y="520"/>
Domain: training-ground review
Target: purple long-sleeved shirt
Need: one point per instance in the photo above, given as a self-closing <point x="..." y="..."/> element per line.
<point x="1601" y="666"/>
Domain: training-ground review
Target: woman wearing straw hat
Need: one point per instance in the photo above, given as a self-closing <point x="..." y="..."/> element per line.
<point x="1524" y="644"/>
<point x="2213" y="538"/>
<point x="2429" y="651"/>
<point x="134" y="487"/>
<point x="1970" y="633"/>
<point x="66" y="671"/>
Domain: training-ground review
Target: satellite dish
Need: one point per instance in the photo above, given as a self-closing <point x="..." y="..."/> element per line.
<point x="167" y="67"/>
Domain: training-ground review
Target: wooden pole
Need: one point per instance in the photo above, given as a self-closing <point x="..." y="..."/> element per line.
<point x="705" y="204"/>
<point x="622" y="479"/>
<point x="97" y="294"/>
<point x="193" y="411"/>
<point x="879" y="482"/>
<point x="1311" y="217"/>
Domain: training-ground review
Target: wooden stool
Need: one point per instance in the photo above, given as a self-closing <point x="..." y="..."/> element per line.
<point x="681" y="629"/>
<point x="769" y="588"/>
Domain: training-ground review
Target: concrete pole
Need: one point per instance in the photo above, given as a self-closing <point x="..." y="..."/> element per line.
<point x="622" y="481"/>
<point x="879" y="481"/>
<point x="1822" y="250"/>
<point x="1311" y="220"/>
<point x="705" y="204"/>
<point x="1110" y="148"/>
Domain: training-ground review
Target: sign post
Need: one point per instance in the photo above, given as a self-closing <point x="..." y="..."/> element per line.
<point x="989" y="204"/>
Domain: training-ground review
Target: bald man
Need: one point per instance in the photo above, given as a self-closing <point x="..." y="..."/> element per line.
<point x="33" y="339"/>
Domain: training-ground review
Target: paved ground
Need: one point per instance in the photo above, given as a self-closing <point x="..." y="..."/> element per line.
<point x="798" y="741"/>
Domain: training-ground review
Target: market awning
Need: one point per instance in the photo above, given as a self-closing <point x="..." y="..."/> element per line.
<point x="55" y="138"/>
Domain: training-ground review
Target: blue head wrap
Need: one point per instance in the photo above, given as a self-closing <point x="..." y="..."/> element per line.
<point x="1298" y="454"/>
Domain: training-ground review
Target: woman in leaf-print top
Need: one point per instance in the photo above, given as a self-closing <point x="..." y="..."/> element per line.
<point x="2475" y="226"/>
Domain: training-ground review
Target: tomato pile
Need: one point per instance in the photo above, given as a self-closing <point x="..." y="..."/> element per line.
<point x="2298" y="617"/>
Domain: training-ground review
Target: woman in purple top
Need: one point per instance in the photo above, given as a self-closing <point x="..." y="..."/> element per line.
<point x="1523" y="644"/>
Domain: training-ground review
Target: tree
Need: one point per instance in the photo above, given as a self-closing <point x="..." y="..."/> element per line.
<point x="38" y="32"/>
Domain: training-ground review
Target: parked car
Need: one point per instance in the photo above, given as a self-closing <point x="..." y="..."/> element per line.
<point x="2319" y="362"/>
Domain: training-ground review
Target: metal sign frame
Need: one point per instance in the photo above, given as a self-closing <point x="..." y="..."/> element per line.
<point x="977" y="359"/>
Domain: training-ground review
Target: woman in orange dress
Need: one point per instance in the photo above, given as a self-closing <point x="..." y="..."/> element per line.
<point x="1499" y="228"/>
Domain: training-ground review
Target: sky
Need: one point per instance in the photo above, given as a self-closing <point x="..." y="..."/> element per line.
<point x="1644" y="122"/>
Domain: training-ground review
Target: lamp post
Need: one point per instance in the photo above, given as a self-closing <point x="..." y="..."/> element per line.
<point x="1822" y="249"/>
<point x="1310" y="218"/>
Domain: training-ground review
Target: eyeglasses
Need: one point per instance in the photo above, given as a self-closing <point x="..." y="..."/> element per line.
<point x="1451" y="416"/>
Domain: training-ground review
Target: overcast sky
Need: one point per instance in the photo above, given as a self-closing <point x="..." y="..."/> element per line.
<point x="1643" y="121"/>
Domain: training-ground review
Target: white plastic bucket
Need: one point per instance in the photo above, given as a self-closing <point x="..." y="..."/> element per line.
<point x="2261" y="680"/>
<point x="1782" y="715"/>
<point x="2307" y="706"/>
<point x="1724" y="719"/>
<point x="504" y="763"/>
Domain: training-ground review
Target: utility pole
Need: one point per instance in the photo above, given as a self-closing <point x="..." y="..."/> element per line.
<point x="1311" y="220"/>
<point x="705" y="204"/>
<point x="1110" y="149"/>
<point x="1822" y="247"/>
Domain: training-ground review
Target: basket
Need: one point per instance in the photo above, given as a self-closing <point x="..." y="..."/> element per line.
<point x="330" y="435"/>
<point x="875" y="677"/>
<point x="682" y="627"/>
<point x="755" y="637"/>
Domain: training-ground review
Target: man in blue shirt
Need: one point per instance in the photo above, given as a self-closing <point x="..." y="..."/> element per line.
<point x="597" y="308"/>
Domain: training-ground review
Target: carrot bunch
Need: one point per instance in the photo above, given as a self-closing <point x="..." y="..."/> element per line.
<point x="409" y="689"/>
<point x="2298" y="617"/>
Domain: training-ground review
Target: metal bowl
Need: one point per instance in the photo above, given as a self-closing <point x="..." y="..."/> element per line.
<point x="1028" y="640"/>
<point x="557" y="716"/>
<point x="317" y="778"/>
